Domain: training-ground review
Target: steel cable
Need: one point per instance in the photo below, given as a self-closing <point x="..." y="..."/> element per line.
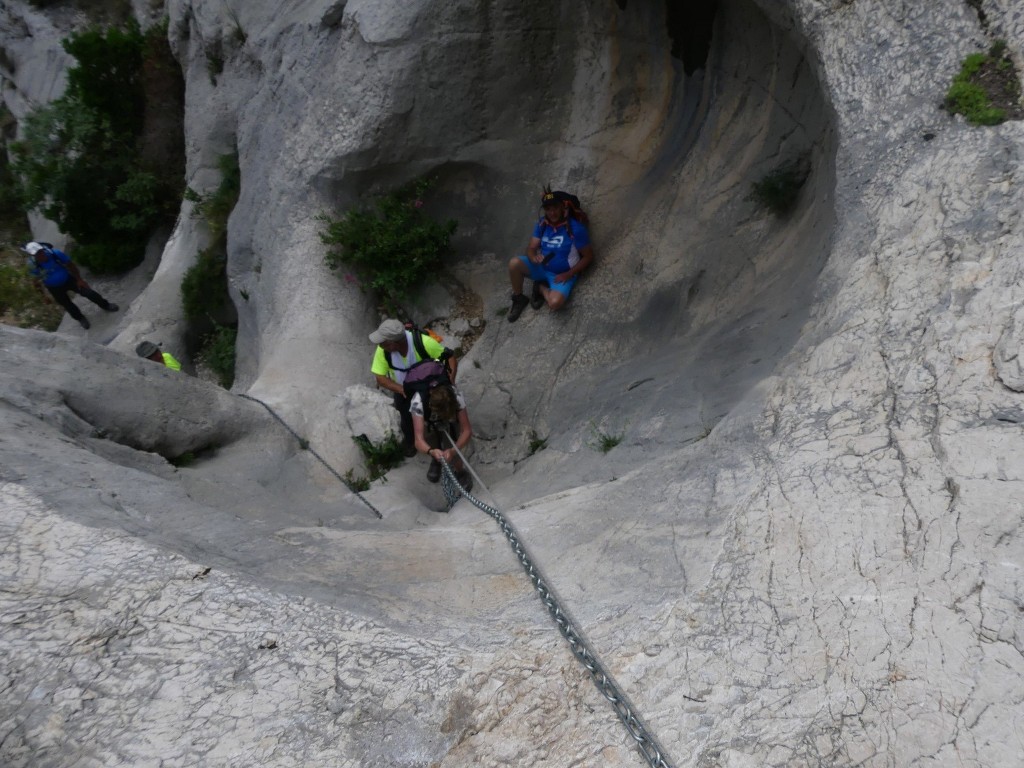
<point x="305" y="444"/>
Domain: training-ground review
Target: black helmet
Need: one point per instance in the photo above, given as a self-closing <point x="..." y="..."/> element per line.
<point x="146" y="348"/>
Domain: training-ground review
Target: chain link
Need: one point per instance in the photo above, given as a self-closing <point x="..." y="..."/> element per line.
<point x="645" y="742"/>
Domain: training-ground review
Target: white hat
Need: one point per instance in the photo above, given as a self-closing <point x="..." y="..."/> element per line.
<point x="32" y="248"/>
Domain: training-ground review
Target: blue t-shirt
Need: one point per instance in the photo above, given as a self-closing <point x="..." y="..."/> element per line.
<point x="556" y="240"/>
<point x="49" y="265"/>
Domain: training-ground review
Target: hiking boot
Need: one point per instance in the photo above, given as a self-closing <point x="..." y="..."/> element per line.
<point x="519" y="303"/>
<point x="111" y="307"/>
<point x="465" y="480"/>
<point x="434" y="471"/>
<point x="537" y="299"/>
<point x="84" y="322"/>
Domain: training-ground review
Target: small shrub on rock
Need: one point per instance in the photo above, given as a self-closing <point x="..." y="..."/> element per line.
<point x="218" y="354"/>
<point x="204" y="287"/>
<point x="382" y="456"/>
<point x="986" y="91"/>
<point x="391" y="243"/>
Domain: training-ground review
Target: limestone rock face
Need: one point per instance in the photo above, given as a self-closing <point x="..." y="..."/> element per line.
<point x="770" y="465"/>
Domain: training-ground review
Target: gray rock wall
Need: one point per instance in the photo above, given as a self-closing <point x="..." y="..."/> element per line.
<point x="805" y="549"/>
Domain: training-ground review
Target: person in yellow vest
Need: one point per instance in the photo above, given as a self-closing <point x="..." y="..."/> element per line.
<point x="151" y="351"/>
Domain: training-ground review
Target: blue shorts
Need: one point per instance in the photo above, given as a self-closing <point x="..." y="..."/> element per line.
<point x="541" y="275"/>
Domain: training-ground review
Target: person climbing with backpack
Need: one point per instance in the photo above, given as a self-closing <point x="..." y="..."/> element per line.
<point x="58" y="274"/>
<point x="558" y="253"/>
<point x="437" y="406"/>
<point x="399" y="348"/>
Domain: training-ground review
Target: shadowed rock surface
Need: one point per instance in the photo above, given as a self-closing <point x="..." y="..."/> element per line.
<point x="806" y="548"/>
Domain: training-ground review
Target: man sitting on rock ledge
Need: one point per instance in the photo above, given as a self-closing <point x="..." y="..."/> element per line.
<point x="398" y="350"/>
<point x="558" y="253"/>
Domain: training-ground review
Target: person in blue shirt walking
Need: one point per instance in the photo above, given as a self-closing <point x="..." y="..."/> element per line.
<point x="59" y="275"/>
<point x="558" y="253"/>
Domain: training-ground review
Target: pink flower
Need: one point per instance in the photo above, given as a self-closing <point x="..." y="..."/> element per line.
<point x="350" y="278"/>
<point x="418" y="204"/>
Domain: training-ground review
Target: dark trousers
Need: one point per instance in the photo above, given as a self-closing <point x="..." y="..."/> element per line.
<point x="402" y="406"/>
<point x="60" y="295"/>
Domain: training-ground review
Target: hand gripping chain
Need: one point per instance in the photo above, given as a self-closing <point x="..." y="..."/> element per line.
<point x="645" y="742"/>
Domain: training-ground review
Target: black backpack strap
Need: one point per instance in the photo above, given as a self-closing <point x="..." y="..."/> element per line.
<point x="417" y="342"/>
<point x="421" y="350"/>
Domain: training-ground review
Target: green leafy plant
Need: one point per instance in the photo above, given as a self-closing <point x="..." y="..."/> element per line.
<point x="217" y="206"/>
<point x="779" y="190"/>
<point x="986" y="90"/>
<point x="80" y="159"/>
<point x="380" y="457"/>
<point x="218" y="354"/>
<point x="604" y="441"/>
<point x="391" y="243"/>
<point x="204" y="287"/>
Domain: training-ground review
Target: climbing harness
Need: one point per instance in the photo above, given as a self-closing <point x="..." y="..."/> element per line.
<point x="305" y="444"/>
<point x="645" y="742"/>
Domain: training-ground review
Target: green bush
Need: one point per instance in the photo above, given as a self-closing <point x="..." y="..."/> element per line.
<point x="382" y="456"/>
<point x="217" y="206"/>
<point x="393" y="246"/>
<point x="218" y="354"/>
<point x="79" y="159"/>
<point x="204" y="287"/>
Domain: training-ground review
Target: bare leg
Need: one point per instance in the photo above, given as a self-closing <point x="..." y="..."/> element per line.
<point x="516" y="273"/>
<point x="555" y="299"/>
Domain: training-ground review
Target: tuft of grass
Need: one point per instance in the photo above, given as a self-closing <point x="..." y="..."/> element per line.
<point x="355" y="482"/>
<point x="986" y="90"/>
<point x="604" y="441"/>
<point x="380" y="457"/>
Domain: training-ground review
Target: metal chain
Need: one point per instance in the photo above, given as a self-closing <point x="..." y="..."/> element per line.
<point x="645" y="742"/>
<point x="305" y="444"/>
